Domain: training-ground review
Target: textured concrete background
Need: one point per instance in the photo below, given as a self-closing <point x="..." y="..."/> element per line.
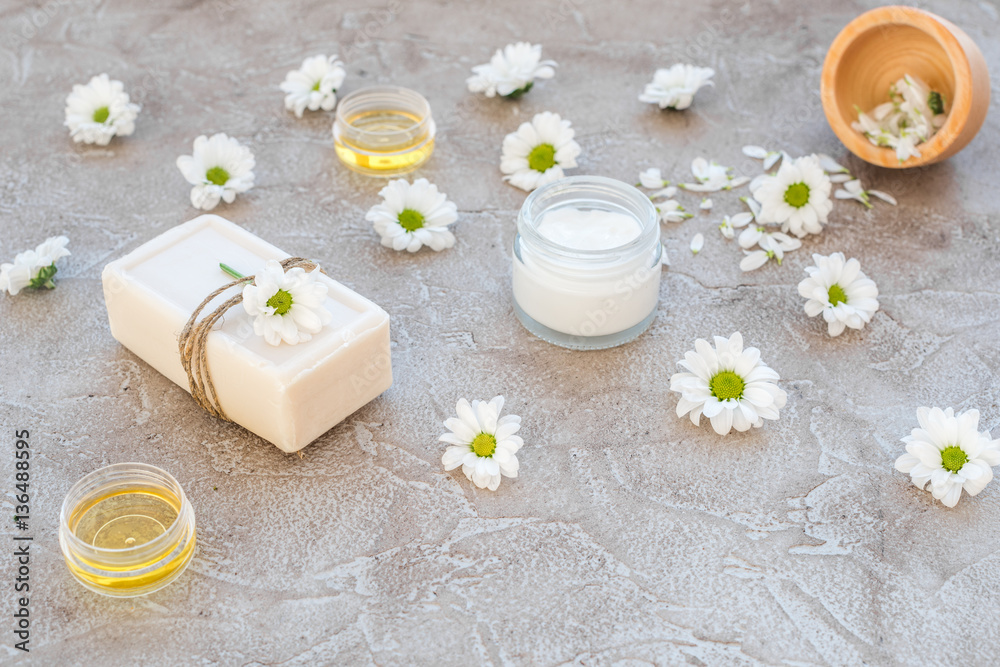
<point x="631" y="537"/>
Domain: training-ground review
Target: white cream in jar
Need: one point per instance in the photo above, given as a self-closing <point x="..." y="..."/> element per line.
<point x="586" y="271"/>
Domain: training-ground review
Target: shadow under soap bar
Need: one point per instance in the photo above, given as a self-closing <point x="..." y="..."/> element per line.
<point x="286" y="394"/>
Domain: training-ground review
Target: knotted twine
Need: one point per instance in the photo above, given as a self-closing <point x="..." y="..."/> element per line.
<point x="194" y="337"/>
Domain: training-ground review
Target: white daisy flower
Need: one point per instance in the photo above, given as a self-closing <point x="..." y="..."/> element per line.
<point x="671" y="211"/>
<point x="797" y="197"/>
<point x="511" y="71"/>
<point x="771" y="245"/>
<point x="539" y="151"/>
<point x="652" y="179"/>
<point x="841" y="291"/>
<point x="482" y="442"/>
<point x="675" y="87"/>
<point x="313" y="86"/>
<point x="770" y="158"/>
<point x="34" y="269"/>
<point x="286" y="306"/>
<point x="100" y="110"/>
<point x="729" y="385"/>
<point x="712" y="177"/>
<point x="220" y="168"/>
<point x="413" y="215"/>
<point x="697" y="243"/>
<point x="729" y="224"/>
<point x="950" y="453"/>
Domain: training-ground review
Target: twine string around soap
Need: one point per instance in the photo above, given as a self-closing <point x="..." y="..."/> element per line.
<point x="194" y="338"/>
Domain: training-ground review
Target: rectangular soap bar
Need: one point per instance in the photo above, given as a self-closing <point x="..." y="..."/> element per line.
<point x="286" y="394"/>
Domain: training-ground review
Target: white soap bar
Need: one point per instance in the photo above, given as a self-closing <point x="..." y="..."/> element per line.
<point x="286" y="394"/>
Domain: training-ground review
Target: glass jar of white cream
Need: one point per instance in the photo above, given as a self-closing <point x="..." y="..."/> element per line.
<point x="587" y="262"/>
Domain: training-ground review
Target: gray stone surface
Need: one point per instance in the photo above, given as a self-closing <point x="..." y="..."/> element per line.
<point x="631" y="537"/>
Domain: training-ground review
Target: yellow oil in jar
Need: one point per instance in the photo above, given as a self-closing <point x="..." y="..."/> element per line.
<point x="385" y="142"/>
<point x="125" y="520"/>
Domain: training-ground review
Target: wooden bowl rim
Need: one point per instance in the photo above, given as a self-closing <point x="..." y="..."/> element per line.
<point x="930" y="24"/>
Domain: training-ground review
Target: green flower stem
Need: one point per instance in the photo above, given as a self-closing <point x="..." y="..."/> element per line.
<point x="231" y="271"/>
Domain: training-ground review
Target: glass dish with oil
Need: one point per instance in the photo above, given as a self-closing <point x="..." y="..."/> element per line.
<point x="383" y="130"/>
<point x="127" y="530"/>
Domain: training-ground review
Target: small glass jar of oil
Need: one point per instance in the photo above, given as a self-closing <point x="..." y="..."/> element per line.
<point x="127" y="530"/>
<point x="383" y="130"/>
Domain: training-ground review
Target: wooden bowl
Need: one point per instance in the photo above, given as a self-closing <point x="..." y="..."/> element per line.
<point x="882" y="45"/>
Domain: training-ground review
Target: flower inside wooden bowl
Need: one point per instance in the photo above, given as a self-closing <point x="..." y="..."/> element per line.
<point x="881" y="46"/>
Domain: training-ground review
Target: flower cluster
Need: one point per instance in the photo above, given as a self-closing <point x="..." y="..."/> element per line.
<point x="34" y="269"/>
<point x="913" y="114"/>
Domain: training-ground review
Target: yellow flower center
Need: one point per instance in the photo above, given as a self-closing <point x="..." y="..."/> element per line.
<point x="281" y="302"/>
<point x="953" y="458"/>
<point x="797" y="195"/>
<point x="410" y="220"/>
<point x="542" y="157"/>
<point x="726" y="385"/>
<point x="101" y="115"/>
<point x="484" y="445"/>
<point x="836" y="295"/>
<point x="217" y="176"/>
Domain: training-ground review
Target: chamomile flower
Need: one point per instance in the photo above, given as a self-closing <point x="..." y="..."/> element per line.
<point x="539" y="151"/>
<point x="482" y="442"/>
<point x="797" y="197"/>
<point x="287" y="306"/>
<point x="314" y="85"/>
<point x="675" y="87"/>
<point x="511" y="71"/>
<point x="100" y="110"/>
<point x="729" y="385"/>
<point x="219" y="169"/>
<point x="34" y="269"/>
<point x="949" y="452"/>
<point x="839" y="290"/>
<point x="413" y="215"/>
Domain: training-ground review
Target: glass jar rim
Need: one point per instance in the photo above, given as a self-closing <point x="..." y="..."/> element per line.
<point x="407" y="99"/>
<point x="645" y="214"/>
<point x="80" y="489"/>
